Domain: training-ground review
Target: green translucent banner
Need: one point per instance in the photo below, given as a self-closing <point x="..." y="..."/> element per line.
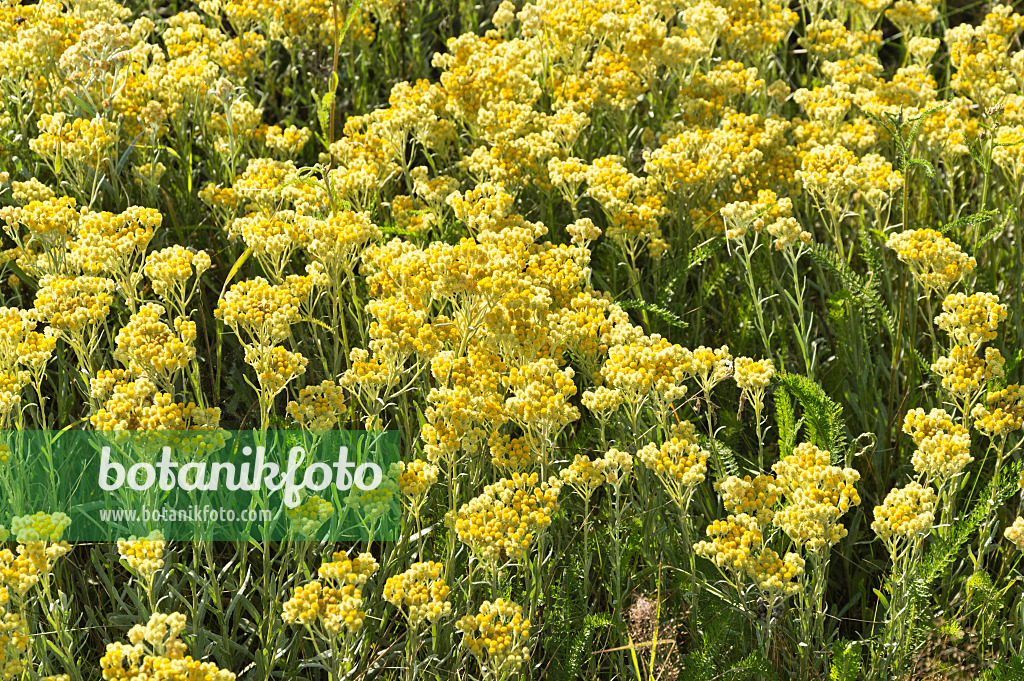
<point x="199" y="485"/>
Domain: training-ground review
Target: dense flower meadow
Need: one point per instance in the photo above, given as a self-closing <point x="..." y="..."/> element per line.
<point x="700" y="322"/>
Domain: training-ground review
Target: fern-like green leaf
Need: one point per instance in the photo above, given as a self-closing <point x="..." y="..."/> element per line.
<point x="866" y="293"/>
<point x="786" y="422"/>
<point x="661" y="313"/>
<point x="823" y="417"/>
<point x="968" y="221"/>
<point x="846" y="661"/>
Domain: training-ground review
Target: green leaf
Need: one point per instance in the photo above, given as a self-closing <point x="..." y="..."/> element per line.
<point x="968" y="220"/>
<point x="661" y="313"/>
<point x="846" y="661"/>
<point x="786" y="421"/>
<point x="823" y="417"/>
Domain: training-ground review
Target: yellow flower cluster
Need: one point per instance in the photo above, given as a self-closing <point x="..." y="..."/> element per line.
<point x="907" y="512"/>
<point x="82" y="140"/>
<point x="632" y="205"/>
<point x="109" y="244"/>
<point x="71" y="304"/>
<point x="831" y="172"/>
<point x="709" y="367"/>
<point x="170" y="269"/>
<point x="287" y="143"/>
<point x="337" y="241"/>
<point x="148" y="347"/>
<point x="964" y="374"/>
<point x="157" y="652"/>
<point x="981" y="56"/>
<point x="1002" y="413"/>
<point x="306" y="518"/>
<point x="319" y="407"/>
<point x="734" y="542"/>
<point x="540" y="397"/>
<point x="751" y="375"/>
<point x="50" y="221"/>
<point x="272" y="238"/>
<point x="584" y="475"/>
<point x="742" y="216"/>
<point x="818" y="494"/>
<point x="1015" y="533"/>
<point x="260" y="310"/>
<point x="650" y="365"/>
<point x="39" y="527"/>
<point x="680" y="462"/>
<point x="334" y="602"/>
<point x="971" y="320"/>
<point x="422" y="590"/>
<point x="756" y="497"/>
<point x="134" y="403"/>
<point x="145" y="555"/>
<point x="417" y="477"/>
<point x="1008" y="151"/>
<point x="617" y="465"/>
<point x="497" y="636"/>
<point x="32" y="190"/>
<point x="33" y="562"/>
<point x="943" y="447"/>
<point x="936" y="262"/>
<point x="502" y="523"/>
<point x="775" y="575"/>
<point x="602" y="401"/>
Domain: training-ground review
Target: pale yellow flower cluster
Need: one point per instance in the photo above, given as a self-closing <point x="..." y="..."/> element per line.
<point x="144" y="555"/>
<point x="422" y="591"/>
<point x="709" y="367"/>
<point x="736" y="545"/>
<point x="34" y="561"/>
<point x="936" y="262"/>
<point x="84" y="141"/>
<point x="818" y="494"/>
<point x="333" y="603"/>
<point x="943" y="447"/>
<point x="965" y="375"/>
<point x="170" y="269"/>
<point x="148" y="347"/>
<point x="908" y="512"/>
<point x="584" y="475"/>
<point x="756" y="497"/>
<point x="73" y="304"/>
<point x="306" y="518"/>
<point x="1009" y="154"/>
<point x="49" y="220"/>
<point x="1015" y="533"/>
<point x="497" y="636"/>
<point x="753" y="377"/>
<point x="540" y="397"/>
<point x="417" y="477"/>
<point x="39" y="527"/>
<point x="156" y="651"/>
<point x="971" y="320"/>
<point x="109" y="244"/>
<point x="259" y="310"/>
<point x="503" y="522"/>
<point x="319" y="407"/>
<point x="776" y="575"/>
<point x="768" y="212"/>
<point x="1002" y="413"/>
<point x="680" y="462"/>
<point x="602" y="401"/>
